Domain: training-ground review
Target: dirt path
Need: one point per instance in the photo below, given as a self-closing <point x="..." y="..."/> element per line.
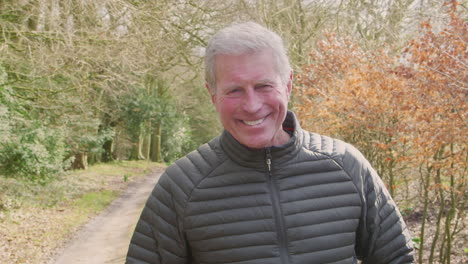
<point x="106" y="237"/>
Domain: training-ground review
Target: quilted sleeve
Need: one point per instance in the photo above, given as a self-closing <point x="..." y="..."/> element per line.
<point x="383" y="237"/>
<point x="158" y="236"/>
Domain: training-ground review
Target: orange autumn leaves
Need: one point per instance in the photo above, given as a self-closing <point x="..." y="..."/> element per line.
<point x="406" y="111"/>
<point x="354" y="94"/>
<point x="399" y="109"/>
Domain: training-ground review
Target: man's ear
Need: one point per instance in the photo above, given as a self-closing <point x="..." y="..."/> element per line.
<point x="289" y="84"/>
<point x="212" y="95"/>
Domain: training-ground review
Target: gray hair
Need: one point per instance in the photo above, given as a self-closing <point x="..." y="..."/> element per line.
<point x="238" y="39"/>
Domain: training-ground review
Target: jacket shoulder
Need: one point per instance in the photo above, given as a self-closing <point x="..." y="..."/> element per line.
<point x="328" y="146"/>
<point x="159" y="235"/>
<point x="344" y="154"/>
<point x="185" y="174"/>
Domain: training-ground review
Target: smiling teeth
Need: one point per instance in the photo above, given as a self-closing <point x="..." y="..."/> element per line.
<point x="253" y="123"/>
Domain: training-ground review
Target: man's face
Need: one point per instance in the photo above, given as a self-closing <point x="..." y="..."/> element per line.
<point x="251" y="99"/>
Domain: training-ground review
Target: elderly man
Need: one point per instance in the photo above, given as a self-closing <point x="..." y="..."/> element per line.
<point x="266" y="191"/>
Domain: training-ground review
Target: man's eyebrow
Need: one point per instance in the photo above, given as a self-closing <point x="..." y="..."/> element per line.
<point x="231" y="87"/>
<point x="268" y="81"/>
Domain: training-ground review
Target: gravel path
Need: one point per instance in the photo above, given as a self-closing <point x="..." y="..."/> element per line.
<point x="106" y="237"/>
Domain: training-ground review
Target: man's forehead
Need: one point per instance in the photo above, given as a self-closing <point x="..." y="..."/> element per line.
<point x="239" y="82"/>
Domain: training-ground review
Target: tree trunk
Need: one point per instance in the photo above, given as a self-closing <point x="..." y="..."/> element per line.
<point x="156" y="144"/>
<point x="439" y="216"/>
<point x="80" y="162"/>
<point x="107" y="153"/>
<point x="134" y="152"/>
<point x="425" y="178"/>
<point x="141" y="140"/>
<point x="147" y="141"/>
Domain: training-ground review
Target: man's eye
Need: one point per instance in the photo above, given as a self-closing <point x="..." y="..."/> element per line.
<point x="264" y="86"/>
<point x="233" y="91"/>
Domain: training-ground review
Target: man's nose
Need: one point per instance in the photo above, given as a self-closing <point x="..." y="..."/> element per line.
<point x="251" y="102"/>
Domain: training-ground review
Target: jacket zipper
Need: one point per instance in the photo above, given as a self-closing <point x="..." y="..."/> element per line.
<point x="278" y="214"/>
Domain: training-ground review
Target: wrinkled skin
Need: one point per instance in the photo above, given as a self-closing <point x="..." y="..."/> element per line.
<point x="251" y="99"/>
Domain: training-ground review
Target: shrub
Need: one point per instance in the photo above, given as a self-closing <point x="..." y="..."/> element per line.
<point x="37" y="155"/>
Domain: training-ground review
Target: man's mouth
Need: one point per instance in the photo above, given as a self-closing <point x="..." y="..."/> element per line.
<point x="254" y="122"/>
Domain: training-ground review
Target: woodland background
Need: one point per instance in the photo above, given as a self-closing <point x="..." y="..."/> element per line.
<point x="85" y="82"/>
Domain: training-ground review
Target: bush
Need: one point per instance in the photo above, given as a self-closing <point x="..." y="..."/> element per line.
<point x="177" y="139"/>
<point x="34" y="155"/>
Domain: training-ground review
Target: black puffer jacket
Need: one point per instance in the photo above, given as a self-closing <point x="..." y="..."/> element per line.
<point x="318" y="201"/>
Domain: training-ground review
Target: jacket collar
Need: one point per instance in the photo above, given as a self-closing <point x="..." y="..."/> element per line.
<point x="256" y="158"/>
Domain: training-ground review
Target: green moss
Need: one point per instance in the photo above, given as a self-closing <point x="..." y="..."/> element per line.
<point x="95" y="202"/>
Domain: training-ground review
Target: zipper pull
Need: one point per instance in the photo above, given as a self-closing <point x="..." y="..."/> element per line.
<point x="268" y="159"/>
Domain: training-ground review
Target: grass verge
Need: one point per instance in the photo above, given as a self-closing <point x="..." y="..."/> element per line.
<point x="34" y="219"/>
